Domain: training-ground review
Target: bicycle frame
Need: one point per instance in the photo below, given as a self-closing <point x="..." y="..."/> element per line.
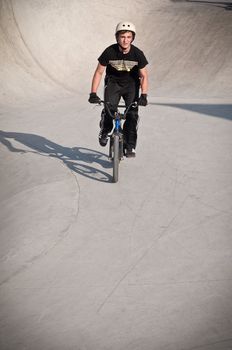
<point x="117" y="131"/>
<point x="116" y="137"/>
<point x="117" y="116"/>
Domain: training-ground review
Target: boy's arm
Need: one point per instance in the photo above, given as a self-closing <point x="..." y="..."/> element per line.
<point x="97" y="77"/>
<point x="143" y="80"/>
<point x="93" y="98"/>
<point x="144" y="87"/>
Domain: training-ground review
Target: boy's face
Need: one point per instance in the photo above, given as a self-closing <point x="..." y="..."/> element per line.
<point x="125" y="40"/>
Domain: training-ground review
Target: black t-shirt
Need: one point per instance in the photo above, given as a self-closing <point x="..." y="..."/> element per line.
<point x="123" y="66"/>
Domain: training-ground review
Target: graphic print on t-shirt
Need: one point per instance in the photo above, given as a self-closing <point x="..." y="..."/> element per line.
<point x="123" y="65"/>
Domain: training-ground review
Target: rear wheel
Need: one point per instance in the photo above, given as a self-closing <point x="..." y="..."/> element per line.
<point x="115" y="158"/>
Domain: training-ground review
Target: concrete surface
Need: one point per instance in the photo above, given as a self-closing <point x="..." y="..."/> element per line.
<point x="144" y="264"/>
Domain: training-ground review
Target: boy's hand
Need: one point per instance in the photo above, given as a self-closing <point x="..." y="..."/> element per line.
<point x="93" y="98"/>
<point x="142" y="100"/>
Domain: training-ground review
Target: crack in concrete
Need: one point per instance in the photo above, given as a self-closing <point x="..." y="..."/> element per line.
<point x="209" y="344"/>
<point x="138" y="261"/>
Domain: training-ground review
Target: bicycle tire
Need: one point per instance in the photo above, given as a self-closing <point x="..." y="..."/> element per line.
<point x="115" y="158"/>
<point x="111" y="148"/>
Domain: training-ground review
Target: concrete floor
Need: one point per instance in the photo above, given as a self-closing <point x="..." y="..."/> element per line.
<point x="144" y="264"/>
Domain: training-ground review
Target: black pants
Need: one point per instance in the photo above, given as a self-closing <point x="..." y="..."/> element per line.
<point x="129" y="91"/>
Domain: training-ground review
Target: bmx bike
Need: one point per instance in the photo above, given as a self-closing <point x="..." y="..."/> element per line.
<point x="116" y="145"/>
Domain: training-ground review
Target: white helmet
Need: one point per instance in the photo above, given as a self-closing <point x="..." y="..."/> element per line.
<point x="130" y="27"/>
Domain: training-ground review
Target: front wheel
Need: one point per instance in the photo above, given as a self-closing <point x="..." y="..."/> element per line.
<point x="115" y="158"/>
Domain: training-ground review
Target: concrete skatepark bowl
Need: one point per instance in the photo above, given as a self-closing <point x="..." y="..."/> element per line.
<point x="144" y="264"/>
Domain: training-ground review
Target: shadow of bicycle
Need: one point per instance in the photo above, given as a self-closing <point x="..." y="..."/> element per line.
<point x="78" y="159"/>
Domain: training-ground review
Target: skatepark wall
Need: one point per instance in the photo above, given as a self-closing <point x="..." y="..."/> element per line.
<point x="52" y="46"/>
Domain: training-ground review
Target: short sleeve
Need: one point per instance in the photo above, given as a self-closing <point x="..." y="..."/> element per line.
<point x="142" y="61"/>
<point x="103" y="58"/>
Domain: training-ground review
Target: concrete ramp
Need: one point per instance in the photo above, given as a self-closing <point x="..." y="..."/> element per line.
<point x="188" y="43"/>
<point x="144" y="264"/>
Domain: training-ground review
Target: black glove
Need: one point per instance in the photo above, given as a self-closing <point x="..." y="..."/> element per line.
<point x="142" y="100"/>
<point x="93" y="98"/>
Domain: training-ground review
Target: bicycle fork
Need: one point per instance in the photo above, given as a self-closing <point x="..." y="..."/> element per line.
<point x="116" y="132"/>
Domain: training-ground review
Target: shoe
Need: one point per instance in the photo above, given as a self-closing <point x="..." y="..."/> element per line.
<point x="103" y="139"/>
<point x="130" y="153"/>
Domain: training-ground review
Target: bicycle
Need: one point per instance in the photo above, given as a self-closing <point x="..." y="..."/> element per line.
<point x="116" y="145"/>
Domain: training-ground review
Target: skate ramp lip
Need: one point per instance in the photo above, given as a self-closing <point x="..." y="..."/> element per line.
<point x="226" y="5"/>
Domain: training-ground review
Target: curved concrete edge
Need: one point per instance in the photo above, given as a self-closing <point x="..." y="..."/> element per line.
<point x="36" y="216"/>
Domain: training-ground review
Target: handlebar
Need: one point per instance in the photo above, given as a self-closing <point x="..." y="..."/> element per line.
<point x="133" y="104"/>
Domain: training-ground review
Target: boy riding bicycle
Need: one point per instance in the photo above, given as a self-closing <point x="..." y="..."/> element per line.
<point x="126" y="73"/>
